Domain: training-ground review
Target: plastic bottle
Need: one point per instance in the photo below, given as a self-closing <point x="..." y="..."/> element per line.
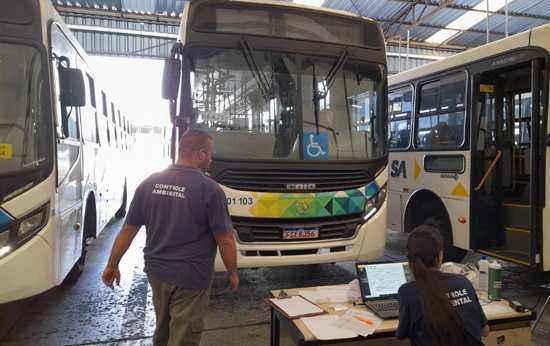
<point x="495" y="280"/>
<point x="483" y="277"/>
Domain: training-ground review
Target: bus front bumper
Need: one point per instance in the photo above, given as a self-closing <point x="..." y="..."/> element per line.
<point x="26" y="271"/>
<point x="368" y="244"/>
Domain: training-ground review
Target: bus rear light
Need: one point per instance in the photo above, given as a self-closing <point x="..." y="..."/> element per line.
<point x="462" y="220"/>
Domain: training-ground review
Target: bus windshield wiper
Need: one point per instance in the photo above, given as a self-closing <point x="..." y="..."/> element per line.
<point x="318" y="95"/>
<point x="259" y="76"/>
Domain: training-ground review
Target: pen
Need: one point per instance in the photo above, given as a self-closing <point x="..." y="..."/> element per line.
<point x="369" y="322"/>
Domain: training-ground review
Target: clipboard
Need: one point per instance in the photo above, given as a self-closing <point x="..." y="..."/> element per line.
<point x="294" y="307"/>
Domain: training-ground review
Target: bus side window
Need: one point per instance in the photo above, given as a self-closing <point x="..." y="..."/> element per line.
<point x="87" y="113"/>
<point x="441" y="113"/>
<point x="65" y="59"/>
<point x="114" y="123"/>
<point x="399" y="114"/>
<point x="93" y="102"/>
<point x="106" y="116"/>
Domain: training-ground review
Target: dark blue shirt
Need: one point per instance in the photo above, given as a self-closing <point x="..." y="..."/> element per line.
<point x="182" y="210"/>
<point x="462" y="297"/>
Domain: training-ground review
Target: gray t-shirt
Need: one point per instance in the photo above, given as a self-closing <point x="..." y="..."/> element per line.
<point x="182" y="210"/>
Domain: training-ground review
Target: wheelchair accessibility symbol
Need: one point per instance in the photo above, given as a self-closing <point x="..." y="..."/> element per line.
<point x="315" y="146"/>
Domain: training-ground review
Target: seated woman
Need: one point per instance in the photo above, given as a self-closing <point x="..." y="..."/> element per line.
<point x="437" y="308"/>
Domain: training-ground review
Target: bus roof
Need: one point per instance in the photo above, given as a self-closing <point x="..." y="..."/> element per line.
<point x="523" y="39"/>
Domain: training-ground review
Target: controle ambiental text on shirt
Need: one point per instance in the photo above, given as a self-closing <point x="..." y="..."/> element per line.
<point x="169" y="190"/>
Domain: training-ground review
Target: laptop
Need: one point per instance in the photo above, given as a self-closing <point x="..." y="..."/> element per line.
<point x="379" y="283"/>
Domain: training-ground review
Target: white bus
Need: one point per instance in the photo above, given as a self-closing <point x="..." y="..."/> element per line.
<point x="295" y="100"/>
<point x="61" y="139"/>
<point x="467" y="139"/>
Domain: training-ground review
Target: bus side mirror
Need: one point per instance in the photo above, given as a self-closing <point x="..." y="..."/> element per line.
<point x="171" y="78"/>
<point x="71" y="85"/>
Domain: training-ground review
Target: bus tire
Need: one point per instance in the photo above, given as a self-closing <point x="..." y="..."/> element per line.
<point x="451" y="253"/>
<point x="121" y="212"/>
<point x="430" y="211"/>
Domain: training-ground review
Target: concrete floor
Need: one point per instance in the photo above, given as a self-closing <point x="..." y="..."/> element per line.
<point x="87" y="313"/>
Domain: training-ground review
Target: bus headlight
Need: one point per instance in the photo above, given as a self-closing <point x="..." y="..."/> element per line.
<point x="375" y="202"/>
<point x="4" y="243"/>
<point x="32" y="223"/>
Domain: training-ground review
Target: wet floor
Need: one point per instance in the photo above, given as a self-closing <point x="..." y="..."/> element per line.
<point x="87" y="313"/>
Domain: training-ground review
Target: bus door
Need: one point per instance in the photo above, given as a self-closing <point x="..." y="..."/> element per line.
<point x="507" y="162"/>
<point x="68" y="206"/>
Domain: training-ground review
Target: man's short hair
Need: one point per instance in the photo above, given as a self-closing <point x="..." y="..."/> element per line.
<point x="192" y="141"/>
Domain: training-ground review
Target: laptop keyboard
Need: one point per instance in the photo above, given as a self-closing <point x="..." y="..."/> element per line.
<point x="384" y="306"/>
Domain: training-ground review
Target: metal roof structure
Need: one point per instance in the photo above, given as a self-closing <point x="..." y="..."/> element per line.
<point x="424" y="18"/>
<point x="146" y="28"/>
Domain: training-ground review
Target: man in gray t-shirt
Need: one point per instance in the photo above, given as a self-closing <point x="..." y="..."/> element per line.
<point x="186" y="217"/>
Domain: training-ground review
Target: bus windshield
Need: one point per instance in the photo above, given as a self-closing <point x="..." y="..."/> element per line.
<point x="25" y="130"/>
<point x="260" y="105"/>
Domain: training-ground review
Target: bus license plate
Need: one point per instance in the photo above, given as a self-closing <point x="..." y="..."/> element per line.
<point x="301" y="234"/>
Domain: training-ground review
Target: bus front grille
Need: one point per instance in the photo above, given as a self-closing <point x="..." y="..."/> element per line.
<point x="273" y="180"/>
<point x="271" y="230"/>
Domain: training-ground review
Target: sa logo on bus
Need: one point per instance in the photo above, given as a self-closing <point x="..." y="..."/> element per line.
<point x="398" y="168"/>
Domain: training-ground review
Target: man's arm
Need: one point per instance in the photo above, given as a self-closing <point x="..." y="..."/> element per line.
<point x="122" y="243"/>
<point x="228" y="252"/>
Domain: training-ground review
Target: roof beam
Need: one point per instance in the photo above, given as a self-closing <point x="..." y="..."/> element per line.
<point x="438" y="27"/>
<point x="401" y="15"/>
<point x="427" y="16"/>
<point x="67" y="10"/>
<point x="427" y="45"/>
<point x="452" y="5"/>
<point x="87" y="28"/>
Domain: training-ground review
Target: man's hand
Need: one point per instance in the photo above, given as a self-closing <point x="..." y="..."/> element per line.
<point x="110" y="276"/>
<point x="228" y="252"/>
<point x="233" y="279"/>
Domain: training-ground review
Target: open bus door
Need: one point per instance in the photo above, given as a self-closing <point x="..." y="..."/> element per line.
<point x="508" y="151"/>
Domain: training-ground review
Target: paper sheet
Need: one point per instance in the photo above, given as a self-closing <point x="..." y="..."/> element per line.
<point x="296" y="306"/>
<point x="323" y="328"/>
<point x="333" y="294"/>
<point x="361" y="322"/>
<point x="497" y="308"/>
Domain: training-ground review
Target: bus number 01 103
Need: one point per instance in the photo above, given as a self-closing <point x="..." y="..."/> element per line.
<point x="240" y="200"/>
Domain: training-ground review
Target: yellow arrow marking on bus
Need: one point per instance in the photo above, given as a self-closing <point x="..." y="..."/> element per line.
<point x="417" y="169"/>
<point x="459" y="190"/>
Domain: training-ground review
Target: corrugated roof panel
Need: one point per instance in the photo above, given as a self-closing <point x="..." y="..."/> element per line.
<point x="419" y="33"/>
<point x="376" y="9"/>
<point x="469" y="3"/>
<point x="534" y="7"/>
<point x="444" y="16"/>
<point x="472" y="39"/>
<point x="497" y="23"/>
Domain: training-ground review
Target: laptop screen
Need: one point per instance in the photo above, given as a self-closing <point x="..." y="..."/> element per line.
<point x="382" y="279"/>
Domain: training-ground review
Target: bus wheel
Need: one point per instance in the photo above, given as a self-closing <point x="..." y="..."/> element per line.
<point x="121" y="212"/>
<point x="451" y="253"/>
